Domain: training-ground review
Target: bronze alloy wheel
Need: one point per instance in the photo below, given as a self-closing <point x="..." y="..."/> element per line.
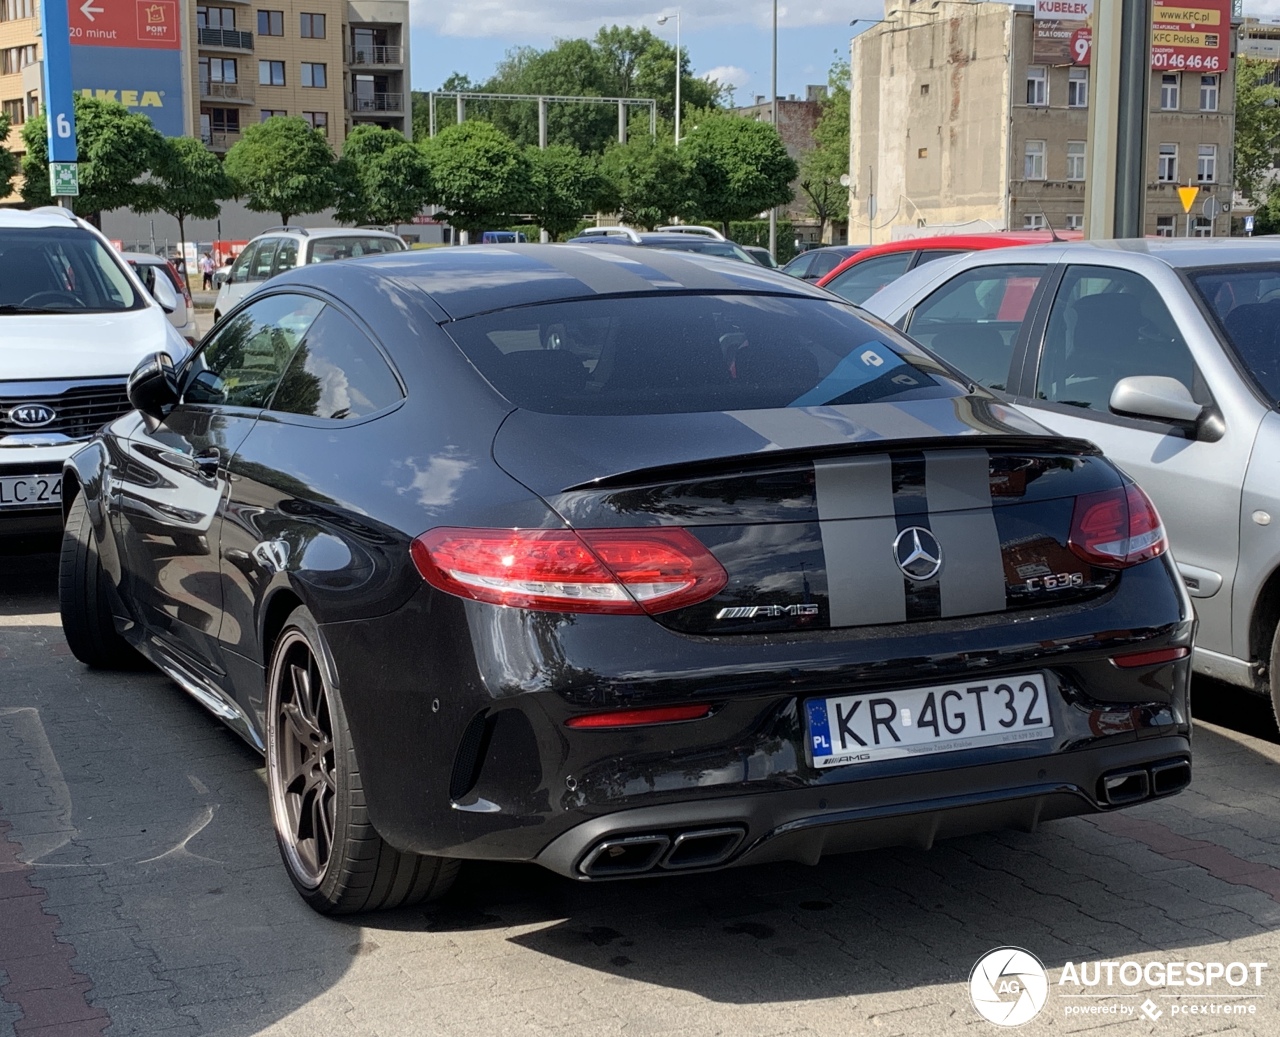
<point x="301" y="760"/>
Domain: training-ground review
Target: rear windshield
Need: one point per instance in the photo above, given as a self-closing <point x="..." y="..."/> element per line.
<point x="1245" y="303"/>
<point x="46" y="269"/>
<point x="679" y="354"/>
<point x="706" y="247"/>
<point x="325" y="249"/>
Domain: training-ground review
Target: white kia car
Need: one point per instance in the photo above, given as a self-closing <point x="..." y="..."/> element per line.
<point x="74" y="322"/>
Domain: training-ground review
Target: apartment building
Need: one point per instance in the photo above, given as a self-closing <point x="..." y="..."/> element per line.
<point x="953" y="126"/>
<point x="335" y="63"/>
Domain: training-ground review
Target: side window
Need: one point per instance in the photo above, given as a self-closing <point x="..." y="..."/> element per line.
<point x="862" y="280"/>
<point x="337" y="373"/>
<point x="799" y="267"/>
<point x="244" y="262"/>
<point x="1107" y="324"/>
<point x="973" y="320"/>
<point x="286" y="257"/>
<point x="824" y="263"/>
<point x="242" y="365"/>
<point x="928" y="255"/>
<point x="263" y="258"/>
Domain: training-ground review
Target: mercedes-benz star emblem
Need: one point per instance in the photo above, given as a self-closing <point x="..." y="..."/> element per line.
<point x="918" y="554"/>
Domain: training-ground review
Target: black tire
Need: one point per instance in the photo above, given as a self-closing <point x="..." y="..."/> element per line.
<point x="335" y="858"/>
<point x="1273" y="675"/>
<point x="82" y="598"/>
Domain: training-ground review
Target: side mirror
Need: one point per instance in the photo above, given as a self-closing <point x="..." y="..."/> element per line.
<point x="153" y="386"/>
<point x="1155" y="396"/>
<point x="163" y="293"/>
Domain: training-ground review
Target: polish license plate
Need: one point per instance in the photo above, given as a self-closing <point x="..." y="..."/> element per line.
<point x="30" y="491"/>
<point x="942" y="719"/>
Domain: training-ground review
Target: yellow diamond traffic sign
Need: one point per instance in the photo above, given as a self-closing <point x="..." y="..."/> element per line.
<point x="1188" y="196"/>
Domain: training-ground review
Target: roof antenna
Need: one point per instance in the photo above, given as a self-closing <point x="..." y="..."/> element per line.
<point x="1052" y="232"/>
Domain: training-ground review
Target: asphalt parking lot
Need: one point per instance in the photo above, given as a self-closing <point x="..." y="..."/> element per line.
<point x="141" y="893"/>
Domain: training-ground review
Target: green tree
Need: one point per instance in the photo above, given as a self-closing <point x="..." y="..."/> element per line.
<point x="8" y="160"/>
<point x="382" y="178"/>
<point x="645" y="181"/>
<point x="446" y="107"/>
<point x="284" y="166"/>
<point x="189" y="181"/>
<point x="117" y="149"/>
<point x="636" y="63"/>
<point x="563" y="186"/>
<point x="738" y="167"/>
<point x="821" y="169"/>
<point x="1257" y="137"/>
<point x="478" y="174"/>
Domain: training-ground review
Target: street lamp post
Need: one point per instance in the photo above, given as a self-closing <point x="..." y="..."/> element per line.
<point x="773" y="108"/>
<point x="679" y="66"/>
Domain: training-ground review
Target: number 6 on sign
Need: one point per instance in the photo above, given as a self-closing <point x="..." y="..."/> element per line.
<point x="64" y="126"/>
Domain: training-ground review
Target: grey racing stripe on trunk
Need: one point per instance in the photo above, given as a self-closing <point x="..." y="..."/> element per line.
<point x="855" y="515"/>
<point x="959" y="487"/>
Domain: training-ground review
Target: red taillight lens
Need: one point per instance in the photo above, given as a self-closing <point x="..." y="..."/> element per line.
<point x="1133" y="660"/>
<point x="619" y="571"/>
<point x="1117" y="528"/>
<point x="640" y="717"/>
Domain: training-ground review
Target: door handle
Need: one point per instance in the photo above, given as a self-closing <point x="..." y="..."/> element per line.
<point x="207" y="461"/>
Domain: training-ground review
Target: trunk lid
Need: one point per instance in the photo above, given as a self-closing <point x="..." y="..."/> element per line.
<point x="832" y="517"/>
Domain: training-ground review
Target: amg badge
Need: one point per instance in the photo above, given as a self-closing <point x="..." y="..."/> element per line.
<point x="767" y="611"/>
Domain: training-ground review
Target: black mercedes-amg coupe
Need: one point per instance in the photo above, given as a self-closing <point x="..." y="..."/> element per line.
<point x="625" y="562"/>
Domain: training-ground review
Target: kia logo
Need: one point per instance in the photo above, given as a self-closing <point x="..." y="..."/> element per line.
<point x="32" y="415"/>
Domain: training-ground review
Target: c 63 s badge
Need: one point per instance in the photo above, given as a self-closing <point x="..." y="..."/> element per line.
<point x="1056" y="582"/>
<point x="767" y="611"/>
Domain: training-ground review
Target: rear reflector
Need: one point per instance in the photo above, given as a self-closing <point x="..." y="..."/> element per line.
<point x="617" y="571"/>
<point x="1153" y="658"/>
<point x="1117" y="528"/>
<point x="640" y="717"/>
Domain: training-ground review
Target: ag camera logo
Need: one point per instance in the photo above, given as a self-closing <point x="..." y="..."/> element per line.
<point x="1008" y="986"/>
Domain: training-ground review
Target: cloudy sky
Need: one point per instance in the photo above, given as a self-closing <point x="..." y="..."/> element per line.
<point x="726" y="39"/>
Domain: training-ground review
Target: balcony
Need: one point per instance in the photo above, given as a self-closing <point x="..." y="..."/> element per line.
<point x="228" y="93"/>
<point x="376" y="56"/>
<point x="225" y="39"/>
<point x="220" y="140"/>
<point x="370" y="104"/>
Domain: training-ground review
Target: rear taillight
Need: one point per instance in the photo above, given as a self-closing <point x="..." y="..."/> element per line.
<point x="1117" y="528"/>
<point x="619" y="571"/>
<point x="640" y="717"/>
<point x="1154" y="657"/>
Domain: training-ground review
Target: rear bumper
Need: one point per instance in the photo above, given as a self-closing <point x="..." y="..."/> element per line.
<point x="908" y="810"/>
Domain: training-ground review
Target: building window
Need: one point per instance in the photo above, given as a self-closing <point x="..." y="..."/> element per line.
<point x="313" y="26"/>
<point x="14" y="110"/>
<point x="1075" y="221"/>
<point x="318" y="120"/>
<point x="218" y="70"/>
<point x="222" y="120"/>
<point x="1078" y="88"/>
<point x="271" y="73"/>
<point x="33" y="105"/>
<point x="313" y="74"/>
<point x="1075" y="160"/>
<point x="1034" y="164"/>
<point x="1208" y="93"/>
<point x="14" y="59"/>
<point x="1164" y="226"/>
<point x="1037" y="86"/>
<point x="1033" y="221"/>
<point x="270" y="23"/>
<point x="270" y="113"/>
<point x="1207" y="164"/>
<point x="924" y="89"/>
<point x="1167" y="164"/>
<point x="215" y="18"/>
<point x="1169" y="92"/>
<point x="12" y="10"/>
<point x="1202" y="227"/>
<point x="922" y="152"/>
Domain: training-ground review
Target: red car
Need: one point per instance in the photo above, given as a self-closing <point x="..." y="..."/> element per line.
<point x="859" y="277"/>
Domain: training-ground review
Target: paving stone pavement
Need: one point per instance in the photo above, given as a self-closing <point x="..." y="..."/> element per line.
<point x="141" y="893"/>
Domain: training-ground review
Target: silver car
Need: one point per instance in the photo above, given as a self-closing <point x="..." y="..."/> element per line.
<point x="284" y="248"/>
<point x="1165" y="353"/>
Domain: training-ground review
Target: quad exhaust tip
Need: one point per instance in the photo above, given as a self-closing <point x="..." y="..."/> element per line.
<point x="657" y="851"/>
<point x="1120" y="788"/>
